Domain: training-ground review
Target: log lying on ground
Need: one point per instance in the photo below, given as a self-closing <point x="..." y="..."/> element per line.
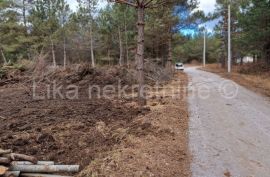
<point x="4" y="161"/>
<point x="1" y="117"/>
<point x="45" y="168"/>
<point x="2" y="151"/>
<point x="30" y="163"/>
<point x="14" y="156"/>
<point x="39" y="175"/>
<point x="12" y="174"/>
<point x="3" y="170"/>
<point x="20" y="165"/>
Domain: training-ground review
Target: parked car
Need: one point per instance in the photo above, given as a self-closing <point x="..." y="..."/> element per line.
<point x="179" y="66"/>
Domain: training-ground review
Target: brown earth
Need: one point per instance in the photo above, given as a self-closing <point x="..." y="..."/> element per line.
<point x="108" y="137"/>
<point x="160" y="146"/>
<point x="252" y="76"/>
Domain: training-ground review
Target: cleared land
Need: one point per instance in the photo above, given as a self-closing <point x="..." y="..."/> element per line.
<point x="107" y="137"/>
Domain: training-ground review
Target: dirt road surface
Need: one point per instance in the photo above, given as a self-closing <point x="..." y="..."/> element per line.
<point x="229" y="128"/>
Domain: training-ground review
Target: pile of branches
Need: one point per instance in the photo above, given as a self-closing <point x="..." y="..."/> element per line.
<point x="156" y="73"/>
<point x="15" y="165"/>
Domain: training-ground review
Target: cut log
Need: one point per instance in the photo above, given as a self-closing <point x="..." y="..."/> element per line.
<point x="4" y="161"/>
<point x="45" y="168"/>
<point x="14" y="156"/>
<point x="30" y="163"/>
<point x="12" y="174"/>
<point x="39" y="175"/>
<point x="2" y="151"/>
<point x="3" y="170"/>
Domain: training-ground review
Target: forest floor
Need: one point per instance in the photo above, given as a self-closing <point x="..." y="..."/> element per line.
<point x="105" y="136"/>
<point x="250" y="76"/>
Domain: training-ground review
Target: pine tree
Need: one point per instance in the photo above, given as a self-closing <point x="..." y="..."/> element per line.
<point x="12" y="33"/>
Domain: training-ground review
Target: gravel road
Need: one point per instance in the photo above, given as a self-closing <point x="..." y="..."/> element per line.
<point x="229" y="128"/>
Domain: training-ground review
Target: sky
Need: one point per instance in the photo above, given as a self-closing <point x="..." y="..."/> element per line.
<point x="207" y="6"/>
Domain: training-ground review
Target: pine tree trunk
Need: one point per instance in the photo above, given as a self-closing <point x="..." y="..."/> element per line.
<point x="267" y="53"/>
<point x="4" y="57"/>
<point x="53" y="53"/>
<point x="241" y="61"/>
<point x="222" y="57"/>
<point x="24" y="14"/>
<point x="140" y="55"/>
<point x="65" y="54"/>
<point x="256" y="59"/>
<point x="120" y="48"/>
<point x="92" y="47"/>
<point x="169" y="62"/>
<point x="224" y="40"/>
<point x="157" y="48"/>
<point x="126" y="40"/>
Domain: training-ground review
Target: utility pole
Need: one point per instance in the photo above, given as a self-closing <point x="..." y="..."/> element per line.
<point x="229" y="39"/>
<point x="204" y="48"/>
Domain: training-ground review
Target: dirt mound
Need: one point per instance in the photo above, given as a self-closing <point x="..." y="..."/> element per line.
<point x="13" y="74"/>
<point x="82" y="75"/>
<point x="85" y="74"/>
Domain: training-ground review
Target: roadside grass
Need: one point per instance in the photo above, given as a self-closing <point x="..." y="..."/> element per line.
<point x="258" y="81"/>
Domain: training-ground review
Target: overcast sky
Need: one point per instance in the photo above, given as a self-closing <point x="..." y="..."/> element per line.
<point x="205" y="5"/>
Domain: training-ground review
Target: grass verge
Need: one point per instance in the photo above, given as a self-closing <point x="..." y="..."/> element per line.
<point x="256" y="81"/>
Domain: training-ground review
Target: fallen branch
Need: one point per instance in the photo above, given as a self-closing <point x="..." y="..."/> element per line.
<point x="20" y="165"/>
<point x="3" y="152"/>
<point x="12" y="174"/>
<point x="30" y="163"/>
<point x="39" y="175"/>
<point x="45" y="168"/>
<point x="14" y="156"/>
<point x="4" y="161"/>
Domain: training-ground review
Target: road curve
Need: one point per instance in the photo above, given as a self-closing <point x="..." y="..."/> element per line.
<point x="229" y="128"/>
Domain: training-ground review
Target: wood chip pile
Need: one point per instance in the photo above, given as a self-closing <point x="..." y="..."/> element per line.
<point x="20" y="165"/>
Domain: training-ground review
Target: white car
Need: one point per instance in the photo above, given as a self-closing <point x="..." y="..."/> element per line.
<point x="179" y="66"/>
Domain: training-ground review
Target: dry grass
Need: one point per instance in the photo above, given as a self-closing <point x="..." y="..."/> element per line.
<point x="258" y="82"/>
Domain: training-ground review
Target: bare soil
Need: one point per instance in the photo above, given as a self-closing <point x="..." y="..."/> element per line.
<point x="159" y="148"/>
<point x="108" y="137"/>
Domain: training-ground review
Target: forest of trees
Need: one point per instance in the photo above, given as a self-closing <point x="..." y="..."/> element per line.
<point x="107" y="36"/>
<point x="250" y="26"/>
<point x="30" y="28"/>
